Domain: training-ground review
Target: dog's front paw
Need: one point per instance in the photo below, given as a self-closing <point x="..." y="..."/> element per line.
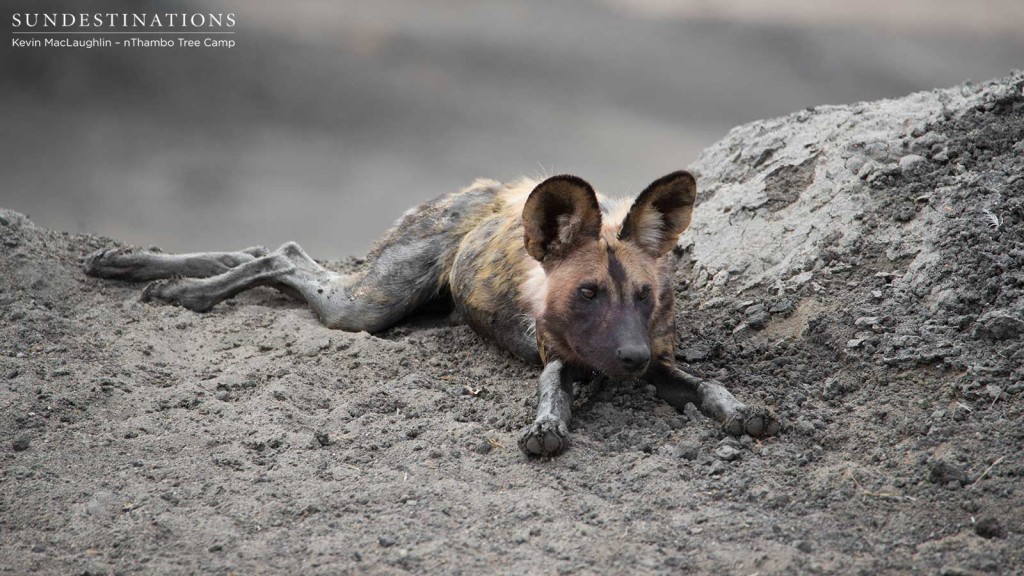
<point x="546" y="437"/>
<point x="177" y="291"/>
<point x="757" y="421"/>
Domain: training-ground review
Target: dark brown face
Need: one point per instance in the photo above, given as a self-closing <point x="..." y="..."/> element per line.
<point x="603" y="282"/>
<point x="600" y="301"/>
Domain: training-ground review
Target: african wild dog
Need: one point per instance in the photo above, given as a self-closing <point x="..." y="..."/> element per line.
<point x="552" y="272"/>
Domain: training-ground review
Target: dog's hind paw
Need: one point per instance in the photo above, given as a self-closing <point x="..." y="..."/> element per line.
<point x="178" y="291"/>
<point x="546" y="437"/>
<point x="756" y="421"/>
<point x="111" y="263"/>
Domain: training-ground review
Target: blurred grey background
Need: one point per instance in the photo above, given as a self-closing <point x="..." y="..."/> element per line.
<point x="329" y="118"/>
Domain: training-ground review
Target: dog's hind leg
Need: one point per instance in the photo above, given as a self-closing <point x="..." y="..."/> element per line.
<point x="409" y="267"/>
<point x="141" y="265"/>
<point x="399" y="279"/>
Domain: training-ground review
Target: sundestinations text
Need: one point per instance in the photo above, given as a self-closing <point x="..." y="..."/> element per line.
<point x="119" y="20"/>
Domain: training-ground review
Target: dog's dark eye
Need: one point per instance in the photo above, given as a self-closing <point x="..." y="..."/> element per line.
<point x="588" y="292"/>
<point x="643" y="293"/>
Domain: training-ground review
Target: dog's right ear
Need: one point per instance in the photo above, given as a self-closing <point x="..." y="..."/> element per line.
<point x="560" y="215"/>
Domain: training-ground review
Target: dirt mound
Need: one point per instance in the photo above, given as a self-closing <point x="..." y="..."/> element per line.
<point x="858" y="268"/>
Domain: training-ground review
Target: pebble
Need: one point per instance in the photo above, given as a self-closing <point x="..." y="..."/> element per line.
<point x="689" y="450"/>
<point x="697" y="352"/>
<point x="322" y="438"/>
<point x="759" y="320"/>
<point x="754" y="309"/>
<point x="989" y="527"/>
<point x="998" y="325"/>
<point x="727" y="453"/>
<point x="946" y="473"/>
<point x="832" y="388"/>
<point x="909" y="161"/>
<point x="20" y="444"/>
<point x="802" y="278"/>
<point x="721" y="278"/>
<point x="387" y="541"/>
<point x="868" y="321"/>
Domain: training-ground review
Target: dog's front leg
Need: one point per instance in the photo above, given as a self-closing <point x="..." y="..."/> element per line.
<point x="714" y="400"/>
<point x="549" y="433"/>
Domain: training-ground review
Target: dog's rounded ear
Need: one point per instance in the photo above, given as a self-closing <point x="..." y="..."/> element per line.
<point x="560" y="215"/>
<point x="661" y="213"/>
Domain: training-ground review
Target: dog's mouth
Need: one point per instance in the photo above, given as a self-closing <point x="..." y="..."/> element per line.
<point x="620" y="374"/>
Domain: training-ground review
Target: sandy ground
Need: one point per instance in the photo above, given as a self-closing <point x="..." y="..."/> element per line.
<point x="147" y="439"/>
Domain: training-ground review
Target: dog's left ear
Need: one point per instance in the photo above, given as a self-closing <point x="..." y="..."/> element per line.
<point x="661" y="213"/>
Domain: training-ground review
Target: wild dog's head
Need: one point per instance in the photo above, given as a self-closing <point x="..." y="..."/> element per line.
<point x="603" y="281"/>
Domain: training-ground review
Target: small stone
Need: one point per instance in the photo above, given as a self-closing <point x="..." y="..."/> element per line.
<point x="215" y="548"/>
<point x="702" y="279"/>
<point x="758" y="320"/>
<point x="727" y="453"/>
<point x="742" y="329"/>
<point x="944" y="473"/>
<point x="754" y="309"/>
<point x="802" y="278"/>
<point x="322" y="438"/>
<point x="20" y="444"/>
<point x="387" y="541"/>
<point x="779" y="501"/>
<point x="689" y="450"/>
<point x="803" y="546"/>
<point x="998" y="325"/>
<point x="989" y="527"/>
<point x="832" y="388"/>
<point x="908" y="162"/>
<point x="994" y="392"/>
<point x="721" y="278"/>
<point x="854" y="342"/>
<point x="716" y="468"/>
<point x="697" y="352"/>
<point x="483" y="447"/>
<point x="730" y="441"/>
<point x="868" y="169"/>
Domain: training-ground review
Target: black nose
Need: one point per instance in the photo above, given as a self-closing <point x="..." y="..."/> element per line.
<point x="633" y="357"/>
